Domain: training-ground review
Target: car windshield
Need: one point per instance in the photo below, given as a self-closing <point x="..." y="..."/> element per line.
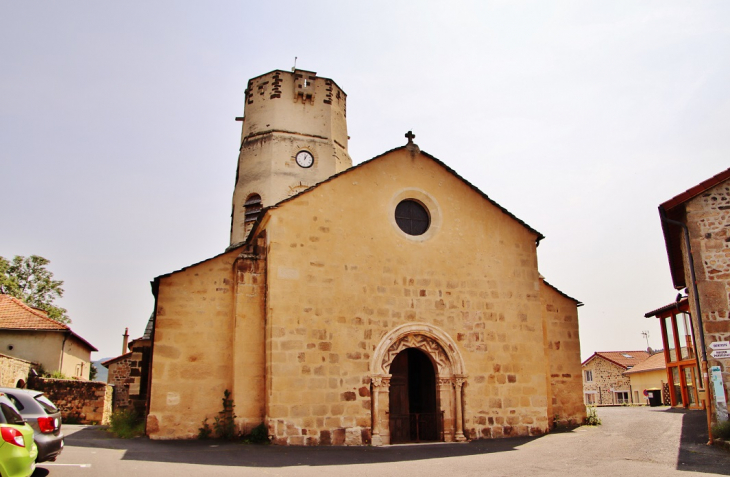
<point x="10" y="414"/>
<point x="48" y="406"/>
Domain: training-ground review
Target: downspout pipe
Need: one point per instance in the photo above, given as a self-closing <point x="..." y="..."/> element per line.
<point x="696" y="296"/>
<point x="63" y="351"/>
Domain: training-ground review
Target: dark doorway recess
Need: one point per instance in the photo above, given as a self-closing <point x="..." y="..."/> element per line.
<point x="414" y="414"/>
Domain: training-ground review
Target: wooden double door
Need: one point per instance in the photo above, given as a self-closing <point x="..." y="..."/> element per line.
<point x="414" y="414"/>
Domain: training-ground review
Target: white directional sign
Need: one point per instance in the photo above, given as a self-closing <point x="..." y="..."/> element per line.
<point x="720" y="353"/>
<point x="720" y="345"/>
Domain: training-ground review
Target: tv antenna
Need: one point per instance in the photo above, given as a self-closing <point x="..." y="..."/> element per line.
<point x="645" y="334"/>
<point x="293" y="68"/>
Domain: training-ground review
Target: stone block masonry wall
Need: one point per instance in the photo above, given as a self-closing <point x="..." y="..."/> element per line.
<point x="560" y="322"/>
<point x="708" y="219"/>
<point x="338" y="283"/>
<point x="607" y="377"/>
<point x="193" y="350"/>
<point x="80" y="402"/>
<point x="119" y="377"/>
<point x="13" y="370"/>
<point x="127" y="375"/>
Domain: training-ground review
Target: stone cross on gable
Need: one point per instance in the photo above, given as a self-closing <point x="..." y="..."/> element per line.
<point x="410" y="137"/>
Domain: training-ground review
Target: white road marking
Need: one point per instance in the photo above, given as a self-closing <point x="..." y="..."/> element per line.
<point x="50" y="464"/>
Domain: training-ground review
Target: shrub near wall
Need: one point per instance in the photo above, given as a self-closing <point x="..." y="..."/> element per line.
<point x="80" y="402"/>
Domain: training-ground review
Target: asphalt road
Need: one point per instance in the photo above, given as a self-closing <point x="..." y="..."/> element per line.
<point x="642" y="442"/>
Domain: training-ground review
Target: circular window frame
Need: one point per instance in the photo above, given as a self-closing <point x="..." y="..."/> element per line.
<point x="427" y="201"/>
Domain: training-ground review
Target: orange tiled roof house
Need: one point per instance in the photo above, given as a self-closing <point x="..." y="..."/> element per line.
<point x="604" y="382"/>
<point x="27" y="333"/>
<point x="648" y="381"/>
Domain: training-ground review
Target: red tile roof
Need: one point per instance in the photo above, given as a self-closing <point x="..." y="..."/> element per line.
<point x="16" y="315"/>
<point x="652" y="363"/>
<point x="625" y="359"/>
<point x="681" y="305"/>
<point x="696" y="190"/>
<point x="674" y="210"/>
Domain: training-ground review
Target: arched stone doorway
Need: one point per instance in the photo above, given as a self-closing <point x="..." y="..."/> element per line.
<point x="420" y="369"/>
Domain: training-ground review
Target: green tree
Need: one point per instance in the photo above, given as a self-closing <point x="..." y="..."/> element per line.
<point x="27" y="279"/>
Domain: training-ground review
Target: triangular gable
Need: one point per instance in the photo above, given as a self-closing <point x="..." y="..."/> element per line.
<point x="425" y="154"/>
<point x="114" y="360"/>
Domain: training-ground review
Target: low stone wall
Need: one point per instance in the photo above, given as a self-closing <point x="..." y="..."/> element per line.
<point x="80" y="402"/>
<point x="13" y="371"/>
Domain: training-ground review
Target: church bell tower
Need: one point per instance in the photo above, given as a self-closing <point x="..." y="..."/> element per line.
<point x="294" y="136"/>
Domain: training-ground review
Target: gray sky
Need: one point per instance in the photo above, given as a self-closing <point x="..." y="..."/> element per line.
<point x="118" y="144"/>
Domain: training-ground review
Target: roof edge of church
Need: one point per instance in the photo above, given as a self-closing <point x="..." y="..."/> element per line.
<point x="227" y="250"/>
<point x="480" y="192"/>
<point x="578" y="302"/>
<point x="439" y="162"/>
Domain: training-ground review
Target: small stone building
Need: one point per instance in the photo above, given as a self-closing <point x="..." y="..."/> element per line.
<point x="604" y="381"/>
<point x="129" y="373"/>
<point x="388" y="302"/>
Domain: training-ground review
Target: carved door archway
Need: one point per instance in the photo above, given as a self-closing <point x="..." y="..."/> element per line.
<point x="448" y="364"/>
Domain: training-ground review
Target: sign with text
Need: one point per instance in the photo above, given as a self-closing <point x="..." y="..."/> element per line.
<point x="720" y="353"/>
<point x="719" y="391"/>
<point x="720" y="345"/>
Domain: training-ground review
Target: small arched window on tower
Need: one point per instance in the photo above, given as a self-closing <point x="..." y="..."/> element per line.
<point x="252" y="208"/>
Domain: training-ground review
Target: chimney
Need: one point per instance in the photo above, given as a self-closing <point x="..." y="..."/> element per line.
<point x="126" y="340"/>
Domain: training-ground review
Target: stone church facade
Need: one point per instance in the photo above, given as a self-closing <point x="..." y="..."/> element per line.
<point x="387" y="302"/>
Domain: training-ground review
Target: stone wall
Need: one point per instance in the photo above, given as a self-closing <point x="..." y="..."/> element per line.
<point x="708" y="220"/>
<point x="119" y="377"/>
<point x="192" y="364"/>
<point x="128" y="375"/>
<point x="80" y="402"/>
<point x="607" y="378"/>
<point x="13" y="371"/>
<point x="562" y="345"/>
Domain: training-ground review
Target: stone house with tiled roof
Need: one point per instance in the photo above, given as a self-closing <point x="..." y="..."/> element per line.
<point x="28" y="334"/>
<point x="604" y="381"/>
<point x="696" y="226"/>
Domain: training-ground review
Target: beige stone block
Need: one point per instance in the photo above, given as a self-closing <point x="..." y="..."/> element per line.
<point x="333" y="422"/>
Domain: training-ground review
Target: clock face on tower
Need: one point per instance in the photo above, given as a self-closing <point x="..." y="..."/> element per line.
<point x="304" y="159"/>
